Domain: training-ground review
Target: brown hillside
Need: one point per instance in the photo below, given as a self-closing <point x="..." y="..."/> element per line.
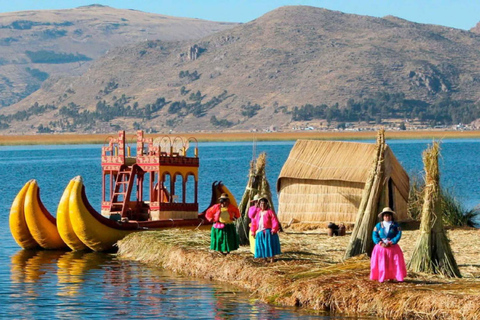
<point x="288" y="57"/>
<point x="89" y="30"/>
<point x="476" y="29"/>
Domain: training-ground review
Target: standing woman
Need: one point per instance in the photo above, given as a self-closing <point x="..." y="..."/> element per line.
<point x="387" y="262"/>
<point x="224" y="237"/>
<point x="252" y="212"/>
<point x="264" y="229"/>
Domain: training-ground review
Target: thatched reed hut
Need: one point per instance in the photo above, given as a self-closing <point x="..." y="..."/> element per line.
<point x="323" y="181"/>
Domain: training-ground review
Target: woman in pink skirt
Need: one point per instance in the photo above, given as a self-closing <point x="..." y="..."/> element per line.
<point x="387" y="262"/>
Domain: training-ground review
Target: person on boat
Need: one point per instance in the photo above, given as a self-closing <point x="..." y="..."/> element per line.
<point x="387" y="261"/>
<point x="265" y="227"/>
<point x="224" y="237"/>
<point x="252" y="212"/>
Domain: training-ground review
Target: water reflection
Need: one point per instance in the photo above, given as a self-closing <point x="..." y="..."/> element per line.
<point x="228" y="307"/>
<point x="30" y="274"/>
<point x="18" y="263"/>
<point x="29" y="266"/>
<point x="47" y="284"/>
<point x="71" y="269"/>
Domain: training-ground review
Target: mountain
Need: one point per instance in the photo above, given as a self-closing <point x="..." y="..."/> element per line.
<point x="35" y="45"/>
<point x="476" y="29"/>
<point x="293" y="64"/>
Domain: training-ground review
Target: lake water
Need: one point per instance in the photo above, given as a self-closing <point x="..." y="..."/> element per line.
<point x="49" y="284"/>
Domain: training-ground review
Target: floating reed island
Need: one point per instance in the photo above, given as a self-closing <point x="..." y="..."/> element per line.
<point x="312" y="275"/>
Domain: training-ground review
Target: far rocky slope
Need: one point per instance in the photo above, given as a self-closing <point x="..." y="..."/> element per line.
<point x="476" y="29"/>
<point x="253" y="76"/>
<point x="35" y="45"/>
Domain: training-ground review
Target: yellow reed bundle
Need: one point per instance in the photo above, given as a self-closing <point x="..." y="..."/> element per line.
<point x="257" y="185"/>
<point x="361" y="238"/>
<point x="432" y="253"/>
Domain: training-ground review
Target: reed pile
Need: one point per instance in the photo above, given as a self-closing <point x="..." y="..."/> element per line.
<point x="257" y="185"/>
<point x="432" y="253"/>
<point x="310" y="273"/>
<point x="361" y="238"/>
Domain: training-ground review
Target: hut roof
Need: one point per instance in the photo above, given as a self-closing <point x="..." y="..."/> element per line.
<point x="341" y="161"/>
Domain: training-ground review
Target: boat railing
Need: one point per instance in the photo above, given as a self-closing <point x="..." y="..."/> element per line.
<point x="114" y="151"/>
<point x="178" y="206"/>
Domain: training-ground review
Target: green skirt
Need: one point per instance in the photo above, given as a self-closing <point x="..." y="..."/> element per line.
<point x="224" y="240"/>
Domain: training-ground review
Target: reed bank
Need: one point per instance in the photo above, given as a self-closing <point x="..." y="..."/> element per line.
<point x="310" y="273"/>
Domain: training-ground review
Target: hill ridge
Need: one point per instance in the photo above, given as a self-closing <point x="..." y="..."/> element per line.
<point x="292" y="65"/>
<point x="62" y="42"/>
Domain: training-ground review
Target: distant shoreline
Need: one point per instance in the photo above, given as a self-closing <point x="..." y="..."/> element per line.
<point x="66" y="138"/>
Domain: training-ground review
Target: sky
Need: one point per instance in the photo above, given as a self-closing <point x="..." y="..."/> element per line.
<point x="461" y="14"/>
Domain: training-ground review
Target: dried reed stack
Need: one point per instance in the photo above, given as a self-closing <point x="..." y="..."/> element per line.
<point x="361" y="238"/>
<point x="432" y="253"/>
<point x="257" y="184"/>
<point x="264" y="186"/>
<point x="242" y="224"/>
<point x="415" y="198"/>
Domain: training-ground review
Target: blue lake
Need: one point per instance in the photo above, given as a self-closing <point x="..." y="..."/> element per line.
<point x="96" y="285"/>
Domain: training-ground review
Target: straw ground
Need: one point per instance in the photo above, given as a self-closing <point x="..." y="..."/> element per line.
<point x="310" y="273"/>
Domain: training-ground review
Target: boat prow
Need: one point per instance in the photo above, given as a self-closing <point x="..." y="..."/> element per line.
<point x="41" y="224"/>
<point x="64" y="223"/>
<point x="18" y="224"/>
<point x="217" y="189"/>
<point x="92" y="229"/>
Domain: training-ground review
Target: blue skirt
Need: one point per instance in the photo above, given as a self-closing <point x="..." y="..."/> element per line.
<point x="267" y="244"/>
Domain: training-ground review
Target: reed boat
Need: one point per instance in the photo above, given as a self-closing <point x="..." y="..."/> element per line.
<point x="155" y="189"/>
<point x="31" y="224"/>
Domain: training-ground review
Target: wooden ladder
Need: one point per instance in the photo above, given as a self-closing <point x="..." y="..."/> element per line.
<point x="123" y="187"/>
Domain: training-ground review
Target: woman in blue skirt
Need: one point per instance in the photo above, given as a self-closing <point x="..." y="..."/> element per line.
<point x="264" y="229"/>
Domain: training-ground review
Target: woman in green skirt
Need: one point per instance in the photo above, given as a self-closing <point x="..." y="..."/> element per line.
<point x="224" y="237"/>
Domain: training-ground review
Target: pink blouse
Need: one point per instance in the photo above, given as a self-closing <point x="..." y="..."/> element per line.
<point x="269" y="221"/>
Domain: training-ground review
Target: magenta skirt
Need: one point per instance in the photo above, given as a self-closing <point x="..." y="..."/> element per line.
<point x="387" y="263"/>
